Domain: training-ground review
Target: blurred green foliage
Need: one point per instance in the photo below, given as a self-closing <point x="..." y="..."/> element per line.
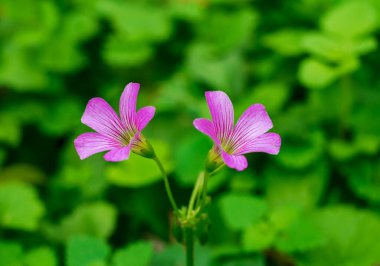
<point x="313" y="64"/>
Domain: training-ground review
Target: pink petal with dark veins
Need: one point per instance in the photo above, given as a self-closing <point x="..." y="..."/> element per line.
<point x="127" y="106"/>
<point x="253" y="123"/>
<point x="118" y="155"/>
<point x="268" y="143"/>
<point x="238" y="162"/>
<point x="143" y="117"/>
<point x="90" y="143"/>
<point x="100" y="116"/>
<point x="222" y="113"/>
<point x="206" y="127"/>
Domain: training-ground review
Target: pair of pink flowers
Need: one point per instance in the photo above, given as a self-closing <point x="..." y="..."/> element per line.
<point x="121" y="135"/>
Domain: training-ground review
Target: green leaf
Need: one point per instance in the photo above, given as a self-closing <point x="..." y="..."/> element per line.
<point x="227" y="31"/>
<point x="301" y="189"/>
<point x="20" y="207"/>
<point x="79" y="26"/>
<point x="170" y="97"/>
<point x="328" y="47"/>
<point x="350" y="64"/>
<point x="226" y="71"/>
<point x="38" y="29"/>
<point x="26" y="111"/>
<point x="126" y="20"/>
<point x="86" y="251"/>
<point x="15" y="64"/>
<point x="95" y="219"/>
<point x="335" y="49"/>
<point x="218" y="180"/>
<point x="362" y="144"/>
<point x="287" y="229"/>
<point x="283" y="216"/>
<point x="259" y="236"/>
<point x="121" y="52"/>
<point x="350" y="19"/>
<point x="300" y="236"/>
<point x="367" y="143"/>
<point x="189" y="11"/>
<point x="139" y="171"/>
<point x="230" y="2"/>
<point x="190" y="157"/>
<point x="301" y="153"/>
<point x="297" y="128"/>
<point x="35" y="79"/>
<point x="3" y="155"/>
<point x="86" y="175"/>
<point x="61" y="55"/>
<point x="341" y="150"/>
<point x="22" y="172"/>
<point x="366" y="119"/>
<point x="242" y="181"/>
<point x="145" y="208"/>
<point x="10" y="254"/>
<point x="258" y="261"/>
<point x="273" y="95"/>
<point x="351" y="238"/>
<point x="315" y="74"/>
<point x="62" y="52"/>
<point x="295" y="231"/>
<point x="10" y="132"/>
<point x="174" y="255"/>
<point x="363" y="45"/>
<point x="364" y="178"/>
<point x="241" y="210"/>
<point x="286" y="42"/>
<point x="61" y="117"/>
<point x="171" y="255"/>
<point x="136" y="254"/>
<point x="42" y="256"/>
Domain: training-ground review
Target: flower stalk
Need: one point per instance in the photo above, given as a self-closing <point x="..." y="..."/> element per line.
<point x="189" y="243"/>
<point x="194" y="197"/>
<point x="204" y="190"/>
<point x="167" y="185"/>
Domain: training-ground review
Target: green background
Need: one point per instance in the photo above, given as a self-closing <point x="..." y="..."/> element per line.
<point x="313" y="63"/>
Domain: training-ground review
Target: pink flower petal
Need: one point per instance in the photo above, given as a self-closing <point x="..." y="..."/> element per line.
<point x="90" y="143"/>
<point x="253" y="122"/>
<point x="238" y="162"/>
<point x="222" y="113"/>
<point x="268" y="143"/>
<point x="143" y="116"/>
<point x="118" y="155"/>
<point x="127" y="105"/>
<point x="100" y="116"/>
<point x="206" y="127"/>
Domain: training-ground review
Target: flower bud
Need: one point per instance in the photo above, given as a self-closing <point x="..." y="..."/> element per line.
<point x="213" y="160"/>
<point x="142" y="147"/>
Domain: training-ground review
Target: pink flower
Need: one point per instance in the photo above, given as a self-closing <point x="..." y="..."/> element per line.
<point x="117" y="135"/>
<point x="231" y="141"/>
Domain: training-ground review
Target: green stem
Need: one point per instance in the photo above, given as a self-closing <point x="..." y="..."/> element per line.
<point x="204" y="192"/>
<point x="194" y="195"/>
<point x="200" y="194"/>
<point x="189" y="239"/>
<point x="167" y="186"/>
<point x="346" y="103"/>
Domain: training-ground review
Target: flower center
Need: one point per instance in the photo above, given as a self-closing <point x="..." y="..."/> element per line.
<point x="227" y="146"/>
<point x="126" y="136"/>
